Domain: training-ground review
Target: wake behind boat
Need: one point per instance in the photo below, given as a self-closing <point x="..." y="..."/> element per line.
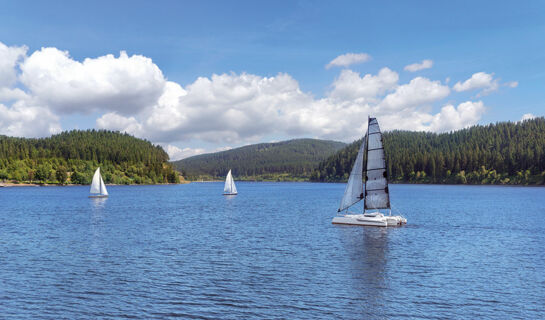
<point x="98" y="188"/>
<point x="229" y="189"/>
<point x="374" y="192"/>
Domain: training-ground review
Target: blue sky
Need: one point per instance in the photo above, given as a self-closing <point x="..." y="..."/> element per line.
<point x="298" y="38"/>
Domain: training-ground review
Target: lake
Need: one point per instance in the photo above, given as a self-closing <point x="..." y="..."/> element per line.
<point x="270" y="252"/>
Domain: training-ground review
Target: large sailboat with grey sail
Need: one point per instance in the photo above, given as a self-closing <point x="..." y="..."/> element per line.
<point x="368" y="181"/>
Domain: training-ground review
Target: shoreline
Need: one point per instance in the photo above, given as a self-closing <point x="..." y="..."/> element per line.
<point x="23" y="184"/>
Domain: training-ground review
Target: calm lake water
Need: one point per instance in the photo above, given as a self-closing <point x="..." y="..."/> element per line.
<point x="270" y="252"/>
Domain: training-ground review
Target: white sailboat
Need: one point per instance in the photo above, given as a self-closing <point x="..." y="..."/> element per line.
<point x="374" y="192"/>
<point x="229" y="189"/>
<point x="98" y="188"/>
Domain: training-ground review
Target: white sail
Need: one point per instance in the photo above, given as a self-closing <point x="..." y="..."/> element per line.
<point x="95" y="185"/>
<point x="233" y="187"/>
<point x="103" y="190"/>
<point x="354" y="187"/>
<point x="229" y="187"/>
<point x="377" y="195"/>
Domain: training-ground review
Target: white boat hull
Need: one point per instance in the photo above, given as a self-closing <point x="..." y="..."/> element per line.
<point x="375" y="219"/>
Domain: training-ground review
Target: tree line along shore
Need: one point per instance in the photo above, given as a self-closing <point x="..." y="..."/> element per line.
<point x="511" y="153"/>
<point x="72" y="157"/>
<point x="505" y="153"/>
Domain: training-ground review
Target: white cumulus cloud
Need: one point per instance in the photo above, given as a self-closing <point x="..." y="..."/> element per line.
<point x="348" y="59"/>
<point x="131" y="94"/>
<point x="418" y="92"/>
<point x="176" y="153"/>
<point x="479" y="80"/>
<point x="234" y="108"/>
<point x="527" y="116"/>
<point x="9" y="57"/>
<point x="23" y="120"/>
<point x="452" y="118"/>
<point x="11" y="94"/>
<point x="425" y="64"/>
<point x="123" y="84"/>
<point x="350" y="86"/>
<point x="114" y="121"/>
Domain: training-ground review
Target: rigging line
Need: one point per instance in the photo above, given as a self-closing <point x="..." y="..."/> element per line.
<point x="395" y="208"/>
<point x="347" y="207"/>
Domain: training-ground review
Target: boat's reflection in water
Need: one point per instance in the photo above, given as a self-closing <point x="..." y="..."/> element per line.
<point x="98" y="203"/>
<point x="97" y="225"/>
<point x="367" y="248"/>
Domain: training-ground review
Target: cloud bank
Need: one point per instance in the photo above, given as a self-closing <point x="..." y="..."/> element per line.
<point x="130" y="93"/>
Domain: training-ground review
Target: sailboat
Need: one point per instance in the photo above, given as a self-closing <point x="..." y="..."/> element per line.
<point x="374" y="192"/>
<point x="98" y="188"/>
<point x="229" y="189"/>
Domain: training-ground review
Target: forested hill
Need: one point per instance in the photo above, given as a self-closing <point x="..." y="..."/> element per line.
<point x="73" y="156"/>
<point x="287" y="160"/>
<point x="502" y="153"/>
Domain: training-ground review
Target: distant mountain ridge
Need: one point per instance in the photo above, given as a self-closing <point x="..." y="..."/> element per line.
<point x="501" y="153"/>
<point x="286" y="160"/>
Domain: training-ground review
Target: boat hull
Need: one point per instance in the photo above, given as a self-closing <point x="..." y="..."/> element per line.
<point x="99" y="196"/>
<point x="230" y="194"/>
<point x="378" y="220"/>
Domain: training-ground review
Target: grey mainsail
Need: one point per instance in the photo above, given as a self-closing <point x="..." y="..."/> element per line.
<point x="377" y="195"/>
<point x="374" y="189"/>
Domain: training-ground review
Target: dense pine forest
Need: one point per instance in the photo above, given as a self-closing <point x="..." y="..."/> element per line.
<point x="502" y="153"/>
<point x="287" y="160"/>
<point x="73" y="156"/>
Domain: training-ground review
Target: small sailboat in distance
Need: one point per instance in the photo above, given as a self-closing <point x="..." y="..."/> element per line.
<point x="229" y="189"/>
<point x="374" y="192"/>
<point x="98" y="188"/>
